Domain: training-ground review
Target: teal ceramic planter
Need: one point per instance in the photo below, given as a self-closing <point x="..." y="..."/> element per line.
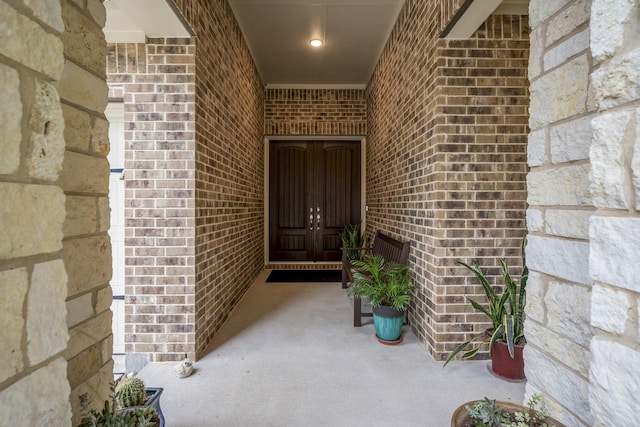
<point x="388" y="323"/>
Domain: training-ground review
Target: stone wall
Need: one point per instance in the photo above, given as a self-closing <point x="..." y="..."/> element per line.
<point x="559" y="290"/>
<point x="614" y="229"/>
<point x="55" y="252"/>
<point x="315" y="112"/>
<point x="156" y="82"/>
<point x="446" y="162"/>
<point x="229" y="166"/>
<point x="582" y="323"/>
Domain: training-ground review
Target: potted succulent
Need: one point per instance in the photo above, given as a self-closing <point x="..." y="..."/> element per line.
<point x="388" y="287"/>
<point x="132" y="404"/>
<point x="506" y="312"/>
<point x="492" y="413"/>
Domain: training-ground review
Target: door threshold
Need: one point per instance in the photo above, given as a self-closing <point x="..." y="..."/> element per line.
<point x="303" y="265"/>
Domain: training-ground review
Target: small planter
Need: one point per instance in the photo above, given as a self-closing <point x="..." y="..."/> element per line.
<point x="153" y="399"/>
<point x="503" y="365"/>
<point x="461" y="418"/>
<point x="388" y="324"/>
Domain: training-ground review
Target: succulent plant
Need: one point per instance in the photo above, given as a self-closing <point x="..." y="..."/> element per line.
<point x="129" y="392"/>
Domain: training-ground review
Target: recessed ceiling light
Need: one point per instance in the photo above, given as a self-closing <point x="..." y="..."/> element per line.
<point x="315" y="42"/>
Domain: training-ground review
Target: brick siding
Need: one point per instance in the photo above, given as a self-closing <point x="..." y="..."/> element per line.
<point x="446" y="160"/>
<point x="229" y="169"/>
<point x="315" y="112"/>
<point x="156" y="81"/>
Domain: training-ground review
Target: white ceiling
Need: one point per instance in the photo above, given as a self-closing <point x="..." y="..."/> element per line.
<point x="278" y="33"/>
<point x="131" y="21"/>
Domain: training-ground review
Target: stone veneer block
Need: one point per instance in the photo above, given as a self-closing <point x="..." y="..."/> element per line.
<point x="80" y="87"/>
<point x="567" y="259"/>
<point x="537" y="148"/>
<point x="46" y="311"/>
<point x="635" y="161"/>
<point x="34" y="48"/>
<point x="562" y="348"/>
<point x="83" y="39"/>
<point x="46" y="139"/>
<point x="560" y="94"/>
<point x="84" y="335"/>
<point x="39" y="399"/>
<point x="615" y="251"/>
<point x="88" y="262"/>
<point x="615" y="380"/>
<point x="571" y="140"/>
<point x="543" y="10"/>
<point x="535" y="220"/>
<point x="617" y="81"/>
<point x="535" y="309"/>
<point x="564" y="23"/>
<point x="568" y="309"/>
<point x="610" y="178"/>
<point x="573" y="45"/>
<point x="77" y="128"/>
<point x="565" y="186"/>
<point x="567" y="386"/>
<point x="47" y="12"/>
<point x="568" y="223"/>
<point x="610" y="309"/>
<point x="13" y="290"/>
<point x="11" y="119"/>
<point x="81" y="215"/>
<point x="98" y="12"/>
<point x="92" y="171"/>
<point x="610" y="20"/>
<point x="79" y="309"/>
<point x="36" y="208"/>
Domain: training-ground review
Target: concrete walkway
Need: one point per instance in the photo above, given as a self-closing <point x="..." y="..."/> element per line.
<point x="289" y="356"/>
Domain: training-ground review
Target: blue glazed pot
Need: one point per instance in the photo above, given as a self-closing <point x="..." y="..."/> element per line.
<point x="387" y="322"/>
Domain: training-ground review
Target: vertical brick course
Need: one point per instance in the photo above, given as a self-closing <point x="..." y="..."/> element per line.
<point x="446" y="159"/>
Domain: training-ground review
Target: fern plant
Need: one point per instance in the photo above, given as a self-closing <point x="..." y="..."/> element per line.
<point x="382" y="283"/>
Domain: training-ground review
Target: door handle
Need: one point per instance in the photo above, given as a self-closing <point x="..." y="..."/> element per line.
<point x="310" y="219"/>
<point x="318" y="218"/>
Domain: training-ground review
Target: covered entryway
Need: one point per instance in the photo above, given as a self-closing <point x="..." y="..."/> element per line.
<point x="314" y="190"/>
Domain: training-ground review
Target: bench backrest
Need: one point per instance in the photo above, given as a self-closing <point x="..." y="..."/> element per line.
<point x="391" y="249"/>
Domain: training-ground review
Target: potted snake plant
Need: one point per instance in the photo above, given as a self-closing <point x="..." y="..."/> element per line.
<point x="505" y="310"/>
<point x="389" y="290"/>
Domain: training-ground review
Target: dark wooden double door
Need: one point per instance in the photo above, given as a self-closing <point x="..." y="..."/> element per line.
<point x="314" y="190"/>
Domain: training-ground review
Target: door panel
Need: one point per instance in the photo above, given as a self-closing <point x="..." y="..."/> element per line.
<point x="314" y="190"/>
<point x="290" y="174"/>
<point x="337" y="192"/>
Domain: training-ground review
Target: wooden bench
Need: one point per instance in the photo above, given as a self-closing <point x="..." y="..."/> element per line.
<point x="392" y="250"/>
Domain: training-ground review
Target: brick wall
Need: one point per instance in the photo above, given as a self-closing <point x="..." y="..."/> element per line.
<point x="315" y="112"/>
<point x="446" y="162"/>
<point x="229" y="166"/>
<point x="156" y="82"/>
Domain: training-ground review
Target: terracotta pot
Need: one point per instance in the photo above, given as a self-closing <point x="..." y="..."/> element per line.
<point x="503" y="365"/>
<point x="460" y="414"/>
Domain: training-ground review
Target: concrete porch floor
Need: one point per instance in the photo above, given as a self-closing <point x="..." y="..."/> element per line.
<point x="289" y="356"/>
